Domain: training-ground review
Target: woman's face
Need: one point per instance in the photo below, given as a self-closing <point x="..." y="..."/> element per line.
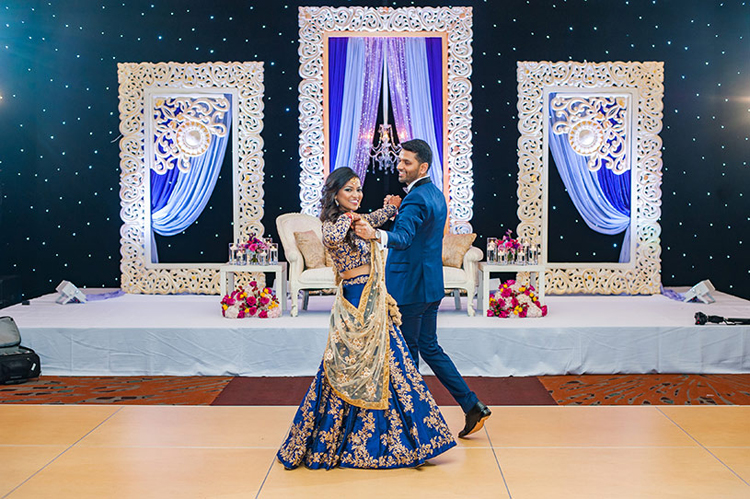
<point x="350" y="196"/>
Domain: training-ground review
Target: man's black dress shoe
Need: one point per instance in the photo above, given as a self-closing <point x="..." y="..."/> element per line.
<point x="475" y="419"/>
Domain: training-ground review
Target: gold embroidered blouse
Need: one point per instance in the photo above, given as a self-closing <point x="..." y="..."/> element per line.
<point x="343" y="256"/>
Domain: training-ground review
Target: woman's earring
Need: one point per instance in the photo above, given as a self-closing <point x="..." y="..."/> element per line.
<point x="336" y="201"/>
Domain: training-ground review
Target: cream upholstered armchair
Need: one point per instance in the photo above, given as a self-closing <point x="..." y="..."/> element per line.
<point x="300" y="277"/>
<point x="460" y="267"/>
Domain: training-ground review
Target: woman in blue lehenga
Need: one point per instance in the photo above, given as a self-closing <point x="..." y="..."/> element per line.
<point x="368" y="406"/>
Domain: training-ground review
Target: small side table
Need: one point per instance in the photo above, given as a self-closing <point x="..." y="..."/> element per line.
<point x="536" y="273"/>
<point x="226" y="278"/>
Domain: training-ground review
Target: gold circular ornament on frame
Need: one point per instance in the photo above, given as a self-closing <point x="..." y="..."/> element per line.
<point x="586" y="137"/>
<point x="193" y="138"/>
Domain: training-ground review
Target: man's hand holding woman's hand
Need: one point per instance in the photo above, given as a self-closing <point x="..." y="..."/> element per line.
<point x="391" y="199"/>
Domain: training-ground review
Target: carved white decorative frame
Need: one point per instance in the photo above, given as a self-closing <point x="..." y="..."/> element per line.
<point x="138" y="81"/>
<point x="455" y="24"/>
<point x="644" y="82"/>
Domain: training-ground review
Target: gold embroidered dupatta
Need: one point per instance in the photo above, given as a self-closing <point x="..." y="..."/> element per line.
<point x="356" y="357"/>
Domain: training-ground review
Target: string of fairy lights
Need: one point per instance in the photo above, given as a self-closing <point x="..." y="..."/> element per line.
<point x="59" y="119"/>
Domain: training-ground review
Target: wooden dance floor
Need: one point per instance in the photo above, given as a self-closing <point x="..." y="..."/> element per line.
<point x="228" y="452"/>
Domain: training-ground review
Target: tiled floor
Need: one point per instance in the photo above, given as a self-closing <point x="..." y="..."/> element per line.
<point x="523" y="452"/>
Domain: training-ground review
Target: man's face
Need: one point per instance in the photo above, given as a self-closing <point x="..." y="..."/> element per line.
<point x="409" y="169"/>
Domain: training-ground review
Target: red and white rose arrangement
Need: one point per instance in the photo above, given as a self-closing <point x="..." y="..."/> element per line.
<point x="515" y="300"/>
<point x="251" y="302"/>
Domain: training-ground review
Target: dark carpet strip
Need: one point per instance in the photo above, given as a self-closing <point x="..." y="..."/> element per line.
<point x="264" y="391"/>
<point x="615" y="389"/>
<point x="497" y="391"/>
<point x="290" y="391"/>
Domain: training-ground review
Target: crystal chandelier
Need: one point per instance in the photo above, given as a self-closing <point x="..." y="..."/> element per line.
<point x="384" y="154"/>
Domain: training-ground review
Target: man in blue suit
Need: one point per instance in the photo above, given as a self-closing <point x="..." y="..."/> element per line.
<point x="414" y="274"/>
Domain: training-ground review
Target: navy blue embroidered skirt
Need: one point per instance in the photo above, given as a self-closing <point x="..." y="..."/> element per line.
<point x="328" y="432"/>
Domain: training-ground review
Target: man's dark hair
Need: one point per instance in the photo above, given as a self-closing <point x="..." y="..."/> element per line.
<point x="421" y="150"/>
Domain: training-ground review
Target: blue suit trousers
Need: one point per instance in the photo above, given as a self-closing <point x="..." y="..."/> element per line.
<point x="419" y="328"/>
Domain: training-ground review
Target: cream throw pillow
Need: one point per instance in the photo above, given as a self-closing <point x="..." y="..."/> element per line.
<point x="455" y="247"/>
<point x="312" y="249"/>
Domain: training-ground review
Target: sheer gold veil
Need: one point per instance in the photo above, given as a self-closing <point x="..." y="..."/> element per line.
<point x="356" y="357"/>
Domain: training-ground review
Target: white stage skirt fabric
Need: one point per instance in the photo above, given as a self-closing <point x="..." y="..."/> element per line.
<point x="186" y="335"/>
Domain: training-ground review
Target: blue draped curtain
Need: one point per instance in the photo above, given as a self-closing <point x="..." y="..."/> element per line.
<point x="420" y="103"/>
<point x="337" y="49"/>
<point x="415" y="82"/>
<point x="602" y="198"/>
<point x="162" y="187"/>
<point x="434" y="52"/>
<point x="177" y="198"/>
<point x="373" y="75"/>
<point x="415" y="68"/>
<point x="354" y="82"/>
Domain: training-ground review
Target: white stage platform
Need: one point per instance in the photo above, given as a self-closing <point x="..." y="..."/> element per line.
<point x="186" y="335"/>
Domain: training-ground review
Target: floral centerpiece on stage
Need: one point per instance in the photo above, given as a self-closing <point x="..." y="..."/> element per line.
<point x="251" y="302"/>
<point x="253" y="251"/>
<point x="515" y="300"/>
<point x="508" y="243"/>
<point x="512" y="251"/>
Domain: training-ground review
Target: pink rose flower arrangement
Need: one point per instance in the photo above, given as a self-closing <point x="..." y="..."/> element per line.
<point x="509" y="247"/>
<point x="515" y="300"/>
<point x="253" y="246"/>
<point x="251" y="302"/>
<point x="510" y="244"/>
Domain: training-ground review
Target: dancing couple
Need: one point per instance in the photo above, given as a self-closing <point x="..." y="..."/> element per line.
<point x="368" y="406"/>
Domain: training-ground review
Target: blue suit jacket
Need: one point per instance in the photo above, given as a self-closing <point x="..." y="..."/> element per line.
<point x="414" y="270"/>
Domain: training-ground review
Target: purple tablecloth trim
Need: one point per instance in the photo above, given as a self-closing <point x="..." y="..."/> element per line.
<point x="672" y="294"/>
<point x="104" y="296"/>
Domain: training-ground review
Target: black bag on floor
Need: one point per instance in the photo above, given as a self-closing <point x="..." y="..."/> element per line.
<point x="17" y="363"/>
